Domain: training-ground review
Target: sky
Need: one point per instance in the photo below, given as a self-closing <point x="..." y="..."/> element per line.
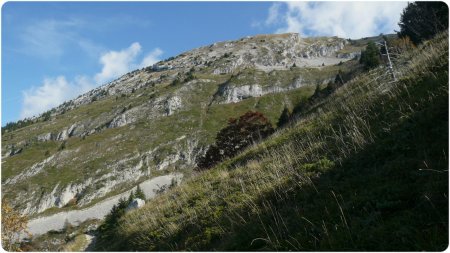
<point x="52" y="52"/>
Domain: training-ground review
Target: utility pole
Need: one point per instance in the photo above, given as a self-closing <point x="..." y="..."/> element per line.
<point x="390" y="62"/>
<point x="391" y="68"/>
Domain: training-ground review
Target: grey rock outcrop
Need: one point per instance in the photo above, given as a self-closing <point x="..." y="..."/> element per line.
<point x="172" y="104"/>
<point x="230" y="93"/>
<point x="71" y="130"/>
<point x="349" y="55"/>
<point x="12" y="152"/>
<point x="45" y="137"/>
<point x="63" y="135"/>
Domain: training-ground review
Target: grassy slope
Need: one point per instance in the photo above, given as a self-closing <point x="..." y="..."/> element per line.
<point x="82" y="159"/>
<point x="367" y="170"/>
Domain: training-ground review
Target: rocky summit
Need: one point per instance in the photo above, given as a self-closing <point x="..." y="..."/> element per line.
<point x="159" y="119"/>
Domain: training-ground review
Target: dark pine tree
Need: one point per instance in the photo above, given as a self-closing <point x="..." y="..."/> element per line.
<point x="285" y="117"/>
<point x="139" y="193"/>
<point x="370" y="58"/>
<point x="422" y="20"/>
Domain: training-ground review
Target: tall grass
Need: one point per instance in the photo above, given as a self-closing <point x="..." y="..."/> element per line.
<point x="366" y="169"/>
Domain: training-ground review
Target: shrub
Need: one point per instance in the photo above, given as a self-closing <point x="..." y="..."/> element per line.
<point x="370" y="58"/>
<point x="46" y="116"/>
<point x="189" y="77"/>
<point x="13" y="226"/>
<point x="285" y="117"/>
<point x="108" y="228"/>
<point x="175" y="82"/>
<point x="139" y="193"/>
<point x="240" y="133"/>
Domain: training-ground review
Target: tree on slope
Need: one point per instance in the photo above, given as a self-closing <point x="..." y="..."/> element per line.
<point x="371" y="56"/>
<point x="240" y="133"/>
<point x="422" y="20"/>
<point x="13" y="226"/>
<point x="139" y="193"/>
<point x="285" y="117"/>
<point x="108" y="228"/>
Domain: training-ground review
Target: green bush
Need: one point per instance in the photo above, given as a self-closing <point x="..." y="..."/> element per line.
<point x="370" y="58"/>
<point x="285" y="117"/>
<point x="139" y="193"/>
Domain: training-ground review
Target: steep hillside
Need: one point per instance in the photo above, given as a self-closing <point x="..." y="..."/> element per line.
<point x="157" y="120"/>
<point x="365" y="169"/>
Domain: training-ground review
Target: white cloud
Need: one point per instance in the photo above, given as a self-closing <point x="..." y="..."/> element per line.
<point x="51" y="93"/>
<point x="116" y="63"/>
<point x="151" y="58"/>
<point x="48" y="38"/>
<point x="343" y="19"/>
<point x="274" y="12"/>
<point x="273" y="17"/>
<point x="54" y="91"/>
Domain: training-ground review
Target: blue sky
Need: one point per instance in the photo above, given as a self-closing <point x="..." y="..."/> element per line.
<point x="54" y="51"/>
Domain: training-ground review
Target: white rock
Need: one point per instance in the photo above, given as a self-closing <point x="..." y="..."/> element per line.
<point x="45" y="137"/>
<point x="235" y="94"/>
<point x="62" y="135"/>
<point x="71" y="130"/>
<point x="135" y="204"/>
<point x="172" y="104"/>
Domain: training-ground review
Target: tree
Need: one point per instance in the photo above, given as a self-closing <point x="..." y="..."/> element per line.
<point x="108" y="228"/>
<point x="46" y="116"/>
<point x="422" y="20"/>
<point x="131" y="197"/>
<point x="371" y="56"/>
<point x="285" y="117"/>
<point x="122" y="204"/>
<point x="240" y="133"/>
<point x="13" y="226"/>
<point x="211" y="157"/>
<point x="139" y="193"/>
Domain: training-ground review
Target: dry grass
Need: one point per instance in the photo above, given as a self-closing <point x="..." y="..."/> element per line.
<point x="249" y="187"/>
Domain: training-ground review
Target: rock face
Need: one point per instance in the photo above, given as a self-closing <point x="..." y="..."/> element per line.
<point x="233" y="94"/>
<point x="135" y="204"/>
<point x="159" y="118"/>
<point x="349" y="55"/>
<point x="172" y="104"/>
<point x="12" y="152"/>
<point x="62" y="135"/>
<point x="45" y="137"/>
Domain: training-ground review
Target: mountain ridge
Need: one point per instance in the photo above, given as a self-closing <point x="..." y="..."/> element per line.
<point x="160" y="118"/>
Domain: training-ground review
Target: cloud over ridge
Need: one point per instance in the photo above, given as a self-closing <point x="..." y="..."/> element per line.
<point x="343" y="19"/>
<point x="54" y="91"/>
